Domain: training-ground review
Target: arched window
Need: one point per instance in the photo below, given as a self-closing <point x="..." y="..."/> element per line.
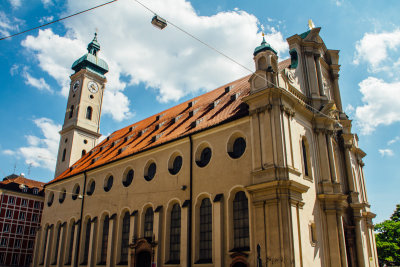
<point x="87" y="241"/>
<point x="57" y="245"/>
<point x="305" y="157"/>
<point x="175" y="235"/>
<point x="148" y="224"/>
<point x="83" y="152"/>
<point x="71" y="244"/>
<point x="125" y="238"/>
<point x="71" y="111"/>
<point x="241" y="222"/>
<point x="44" y="246"/>
<point x="89" y="112"/>
<point x="205" y="253"/>
<point x="104" y="242"/>
<point x="64" y="154"/>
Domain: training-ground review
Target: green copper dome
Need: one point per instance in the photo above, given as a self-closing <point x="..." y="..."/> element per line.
<point x="263" y="47"/>
<point x="91" y="61"/>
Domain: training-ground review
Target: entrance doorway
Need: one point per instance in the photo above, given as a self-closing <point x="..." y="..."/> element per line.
<point x="143" y="259"/>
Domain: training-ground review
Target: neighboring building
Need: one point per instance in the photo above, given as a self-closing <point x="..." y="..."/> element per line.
<point x="21" y="203"/>
<point x="263" y="169"/>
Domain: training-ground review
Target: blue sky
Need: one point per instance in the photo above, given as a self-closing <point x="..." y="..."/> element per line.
<point x="151" y="70"/>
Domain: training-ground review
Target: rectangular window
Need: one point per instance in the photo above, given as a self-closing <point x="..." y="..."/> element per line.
<point x="35" y="218"/>
<point x="24" y="203"/>
<point x="25" y="189"/>
<point x="35" y="191"/>
<point x="205" y="246"/>
<point x="37" y="205"/>
<point x="57" y="245"/>
<point x="30" y="244"/>
<point x="104" y="245"/>
<point x="21" y="216"/>
<point x="87" y="241"/>
<point x="125" y="238"/>
<point x="71" y="244"/>
<point x="6" y="228"/>
<point x="20" y="229"/>
<point x="28" y="260"/>
<point x="11" y="200"/>
<point x="32" y="231"/>
<point x="4" y="242"/>
<point x="15" y="259"/>
<point x="9" y="214"/>
<point x="2" y="257"/>
<point x="17" y="243"/>
<point x="44" y="246"/>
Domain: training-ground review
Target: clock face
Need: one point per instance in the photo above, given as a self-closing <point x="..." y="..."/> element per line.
<point x="76" y="85"/>
<point x="93" y="87"/>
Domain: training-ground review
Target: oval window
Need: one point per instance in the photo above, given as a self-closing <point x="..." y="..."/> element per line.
<point x="75" y="192"/>
<point x="63" y="193"/>
<point x="238" y="148"/>
<point x="128" y="178"/>
<point x="176" y="165"/>
<point x="91" y="188"/>
<point x="50" y="199"/>
<point x="151" y="172"/>
<point x="205" y="157"/>
<point x="108" y="183"/>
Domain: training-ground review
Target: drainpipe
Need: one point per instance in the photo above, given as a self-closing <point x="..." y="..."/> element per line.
<point x="190" y="204"/>
<point x="80" y="222"/>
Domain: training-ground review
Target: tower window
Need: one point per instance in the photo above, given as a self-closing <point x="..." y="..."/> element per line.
<point x="83" y="152"/>
<point x="63" y="155"/>
<point x="89" y="112"/>
<point x="71" y="111"/>
<point x="304" y="149"/>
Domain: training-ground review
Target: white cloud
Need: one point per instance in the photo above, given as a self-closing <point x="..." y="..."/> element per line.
<point x="394" y="140"/>
<point x="374" y="48"/>
<point x="14" y="69"/>
<point x="8" y="152"/>
<point x="47" y="3"/>
<point x="381" y="102"/>
<point x="40" y="151"/>
<point x="386" y="152"/>
<point x="8" y="25"/>
<point x="15" y="3"/>
<point x="349" y="109"/>
<point x="46" y="19"/>
<point x="168" y="61"/>
<point x="37" y="83"/>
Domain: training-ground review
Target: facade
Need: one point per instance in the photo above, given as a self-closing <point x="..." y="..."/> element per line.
<point x="21" y="204"/>
<point x="263" y="171"/>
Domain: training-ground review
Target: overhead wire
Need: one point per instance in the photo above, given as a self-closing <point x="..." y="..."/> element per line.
<point x="58" y="20"/>
<point x="230" y="58"/>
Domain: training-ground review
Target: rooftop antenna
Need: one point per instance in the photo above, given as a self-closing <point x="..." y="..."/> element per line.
<point x="311" y="24"/>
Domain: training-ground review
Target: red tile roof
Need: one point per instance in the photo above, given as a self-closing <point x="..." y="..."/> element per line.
<point x="202" y="112"/>
<point x="22" y="180"/>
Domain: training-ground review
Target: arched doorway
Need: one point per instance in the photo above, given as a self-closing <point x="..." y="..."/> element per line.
<point x="143" y="259"/>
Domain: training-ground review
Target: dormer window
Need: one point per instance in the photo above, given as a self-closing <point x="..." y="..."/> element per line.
<point x="35" y="191"/>
<point x="89" y="112"/>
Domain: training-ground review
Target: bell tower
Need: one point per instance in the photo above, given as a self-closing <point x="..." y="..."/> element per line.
<point x="80" y="130"/>
<point x="266" y="74"/>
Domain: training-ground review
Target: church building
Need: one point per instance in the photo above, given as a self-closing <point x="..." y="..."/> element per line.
<point x="263" y="171"/>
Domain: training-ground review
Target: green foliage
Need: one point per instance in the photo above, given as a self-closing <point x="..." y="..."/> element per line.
<point x="388" y="238"/>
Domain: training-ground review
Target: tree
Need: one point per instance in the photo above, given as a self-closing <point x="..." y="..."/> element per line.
<point x="388" y="239"/>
